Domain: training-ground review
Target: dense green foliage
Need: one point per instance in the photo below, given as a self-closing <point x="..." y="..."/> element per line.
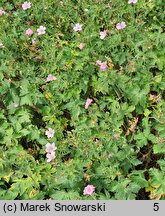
<point x="117" y="144"/>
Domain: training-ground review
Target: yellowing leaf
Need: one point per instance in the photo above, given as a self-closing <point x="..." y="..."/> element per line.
<point x="7" y="178"/>
<point x="48" y="95"/>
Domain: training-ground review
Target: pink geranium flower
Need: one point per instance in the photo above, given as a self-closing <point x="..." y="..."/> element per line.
<point x="2" y="12"/>
<point x="51" y="156"/>
<point x="50" y="147"/>
<point x="29" y="32"/>
<point x="89" y="190"/>
<point x="34" y="41"/>
<point x="88" y="102"/>
<point x="78" y="27"/>
<point x="120" y="25"/>
<point x="41" y="30"/>
<point x="98" y="62"/>
<point x="103" y="66"/>
<point x="132" y="1"/>
<point x="26" y="5"/>
<point x="50" y="77"/>
<point x="49" y="133"/>
<point x="103" y="34"/>
<point x="123" y="25"/>
<point x="81" y="46"/>
<point x="115" y="135"/>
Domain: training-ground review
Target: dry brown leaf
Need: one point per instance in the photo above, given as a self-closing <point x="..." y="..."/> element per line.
<point x="132" y="124"/>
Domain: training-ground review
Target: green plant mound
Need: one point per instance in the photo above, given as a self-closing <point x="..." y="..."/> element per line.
<point x="82" y="100"/>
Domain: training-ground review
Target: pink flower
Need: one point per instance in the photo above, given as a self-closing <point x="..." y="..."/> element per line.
<point x="49" y="133"/>
<point x="78" y="27"/>
<point x="50" y="147"/>
<point x="123" y="25"/>
<point x="51" y="156"/>
<point x="81" y="46"/>
<point x="89" y="190"/>
<point x="132" y="1"/>
<point x="115" y="136"/>
<point x="26" y="5"/>
<point x="41" y="30"/>
<point x="34" y="41"/>
<point x="98" y="62"/>
<point x="50" y="77"/>
<point x="103" y="66"/>
<point x="88" y="102"/>
<point x="29" y="32"/>
<point x="2" y="12"/>
<point x="120" y="25"/>
<point x="103" y="34"/>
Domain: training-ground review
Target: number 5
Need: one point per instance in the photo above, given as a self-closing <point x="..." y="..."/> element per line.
<point x="156" y="207"/>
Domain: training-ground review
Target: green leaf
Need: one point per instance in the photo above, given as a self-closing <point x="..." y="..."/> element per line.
<point x="26" y="100"/>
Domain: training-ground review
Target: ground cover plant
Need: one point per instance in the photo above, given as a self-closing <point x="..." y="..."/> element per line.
<point x="82" y="99"/>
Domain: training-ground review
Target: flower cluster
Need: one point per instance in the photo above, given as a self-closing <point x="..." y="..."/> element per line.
<point x="50" y="150"/>
<point x="40" y="31"/>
